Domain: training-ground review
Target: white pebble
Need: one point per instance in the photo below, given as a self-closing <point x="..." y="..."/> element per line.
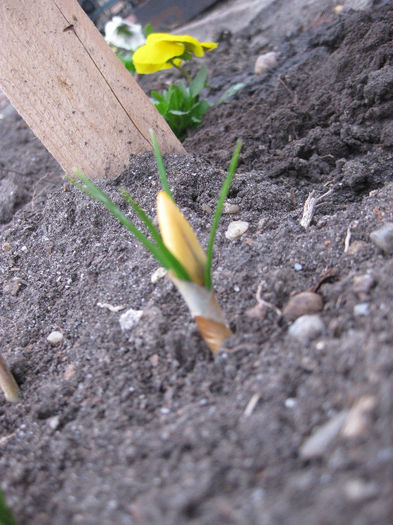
<point x="358" y="420"/>
<point x="357" y="490"/>
<point x="265" y="62"/>
<point x="53" y="422"/>
<point x="301" y="304"/>
<point x="383" y="238"/>
<point x="317" y="444"/>
<point x="362" y="284"/>
<point x="130" y="319"/>
<point x="361" y="309"/>
<point x="230" y="208"/>
<point x="158" y="274"/>
<point x="306" y="327"/>
<point x="291" y="402"/>
<point x="55" y="337"/>
<point x="297" y="267"/>
<point x="236" y="229"/>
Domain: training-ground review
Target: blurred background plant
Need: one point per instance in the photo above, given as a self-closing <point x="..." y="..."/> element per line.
<point x="6" y="516"/>
<point x="145" y="52"/>
<point x="125" y="38"/>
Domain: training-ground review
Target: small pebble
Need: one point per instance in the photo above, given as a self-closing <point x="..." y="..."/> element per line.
<point x="53" y="422"/>
<point x="154" y="360"/>
<point x="358" y="420"/>
<point x="262" y="223"/>
<point x="12" y="287"/>
<point x="206" y="208"/>
<point x="383" y="237"/>
<point x="308" y="364"/>
<point x="356" y="247"/>
<point x="298" y="267"/>
<point x="230" y="208"/>
<point x="55" y="337"/>
<point x="265" y="62"/>
<point x="258" y="311"/>
<point x="306" y="327"/>
<point x="69" y="371"/>
<point x="362" y="284"/>
<point x="361" y="309"/>
<point x="357" y="490"/>
<point x="130" y="319"/>
<point x="291" y="402"/>
<point x="317" y="444"/>
<point x="236" y="229"/>
<point x="158" y="274"/>
<point x="301" y="304"/>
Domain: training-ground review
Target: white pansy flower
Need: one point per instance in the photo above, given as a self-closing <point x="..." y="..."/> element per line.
<point x="123" y="34"/>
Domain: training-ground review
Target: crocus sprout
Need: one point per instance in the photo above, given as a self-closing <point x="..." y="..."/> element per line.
<point x="177" y="248"/>
<point x="179" y="238"/>
<point x="8" y="383"/>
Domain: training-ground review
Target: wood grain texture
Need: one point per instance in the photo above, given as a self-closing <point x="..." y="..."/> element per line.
<point x="72" y="90"/>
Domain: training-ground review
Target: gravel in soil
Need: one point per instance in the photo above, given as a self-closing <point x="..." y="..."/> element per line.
<point x="292" y="421"/>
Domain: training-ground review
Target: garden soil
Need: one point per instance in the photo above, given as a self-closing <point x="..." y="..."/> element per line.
<point x="143" y="425"/>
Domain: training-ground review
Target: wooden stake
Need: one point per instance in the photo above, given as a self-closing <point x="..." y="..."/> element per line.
<point x="72" y="90"/>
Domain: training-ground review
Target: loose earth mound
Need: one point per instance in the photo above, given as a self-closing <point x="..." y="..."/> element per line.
<point x="143" y="426"/>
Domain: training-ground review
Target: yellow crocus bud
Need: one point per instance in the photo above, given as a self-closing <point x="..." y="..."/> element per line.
<point x="180" y="239"/>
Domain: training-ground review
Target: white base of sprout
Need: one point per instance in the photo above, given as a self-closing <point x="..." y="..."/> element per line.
<point x="206" y="311"/>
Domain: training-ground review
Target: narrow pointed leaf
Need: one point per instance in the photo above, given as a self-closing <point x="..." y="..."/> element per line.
<point x="229" y="93"/>
<point x="218" y="212"/>
<point x="160" y="165"/>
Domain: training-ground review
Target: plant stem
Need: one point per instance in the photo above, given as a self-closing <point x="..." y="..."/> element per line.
<point x="182" y="71"/>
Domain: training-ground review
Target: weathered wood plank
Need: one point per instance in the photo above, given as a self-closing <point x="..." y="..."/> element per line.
<point x="71" y="89"/>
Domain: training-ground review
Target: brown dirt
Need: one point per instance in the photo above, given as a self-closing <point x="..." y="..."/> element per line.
<point x="145" y="426"/>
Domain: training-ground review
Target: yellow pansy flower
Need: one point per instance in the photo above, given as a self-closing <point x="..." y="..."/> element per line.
<point x="159" y="48"/>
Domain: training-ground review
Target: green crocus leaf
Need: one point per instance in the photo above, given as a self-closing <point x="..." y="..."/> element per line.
<point x="229" y="93"/>
<point x="6" y="516"/>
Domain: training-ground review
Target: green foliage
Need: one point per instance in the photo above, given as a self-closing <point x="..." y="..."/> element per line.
<point x="126" y="59"/>
<point x="180" y="105"/>
<point x="148" y="29"/>
<point x="6" y="516"/>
